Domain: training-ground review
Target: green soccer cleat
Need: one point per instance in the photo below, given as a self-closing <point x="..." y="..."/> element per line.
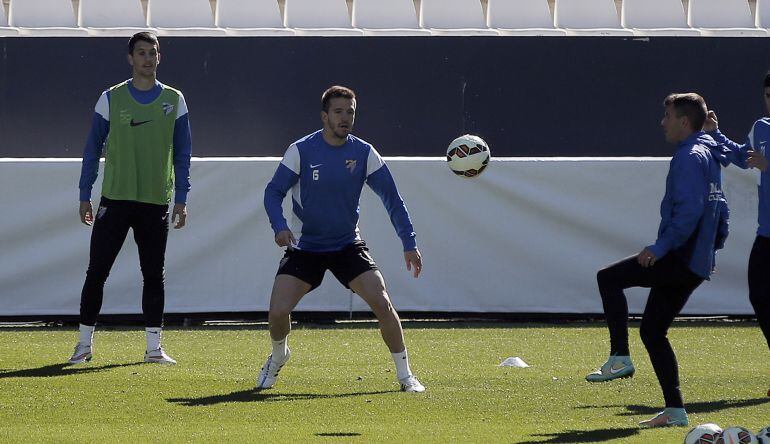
<point x="616" y="367"/>
<point x="670" y="417"/>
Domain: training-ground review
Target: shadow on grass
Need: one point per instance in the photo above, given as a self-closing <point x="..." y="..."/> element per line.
<point x="337" y="434"/>
<point x="585" y="435"/>
<point x="255" y="395"/>
<point x="59" y="370"/>
<point x="692" y="407"/>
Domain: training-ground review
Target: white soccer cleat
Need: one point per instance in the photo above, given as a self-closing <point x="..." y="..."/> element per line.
<point x="269" y="372"/>
<point x="411" y="384"/>
<point x="82" y="354"/>
<point x="158" y="356"/>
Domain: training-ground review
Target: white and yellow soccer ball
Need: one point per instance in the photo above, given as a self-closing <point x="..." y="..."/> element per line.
<point x="468" y="155"/>
<point x="763" y="436"/>
<point x="703" y="434"/>
<point x="736" y="435"/>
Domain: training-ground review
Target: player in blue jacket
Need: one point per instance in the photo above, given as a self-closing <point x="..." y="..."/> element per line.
<point x="693" y="226"/>
<point x="752" y="155"/>
<point x="326" y="172"/>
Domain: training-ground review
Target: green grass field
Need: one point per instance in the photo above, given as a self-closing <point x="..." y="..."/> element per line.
<point x="340" y="385"/>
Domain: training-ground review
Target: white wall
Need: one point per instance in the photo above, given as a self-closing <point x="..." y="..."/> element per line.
<point x="526" y="236"/>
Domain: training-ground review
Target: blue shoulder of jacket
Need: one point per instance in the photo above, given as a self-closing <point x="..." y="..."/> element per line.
<point x="310" y="138"/>
<point x="762" y="125"/>
<point x="361" y="145"/>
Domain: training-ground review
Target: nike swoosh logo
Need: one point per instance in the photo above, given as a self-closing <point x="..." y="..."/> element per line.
<point x="614" y="370"/>
<point x="133" y="123"/>
<point x="315" y="166"/>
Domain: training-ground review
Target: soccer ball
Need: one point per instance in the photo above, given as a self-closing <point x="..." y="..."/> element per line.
<point x="763" y="436"/>
<point x="736" y="435"/>
<point x="468" y="155"/>
<point x="703" y="434"/>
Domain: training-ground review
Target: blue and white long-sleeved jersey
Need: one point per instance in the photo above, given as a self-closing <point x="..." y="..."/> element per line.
<point x="100" y="129"/>
<point x="694" y="213"/>
<point x="326" y="183"/>
<point x="757" y="140"/>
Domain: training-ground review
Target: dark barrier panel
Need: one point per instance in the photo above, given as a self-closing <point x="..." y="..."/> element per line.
<point x="530" y="96"/>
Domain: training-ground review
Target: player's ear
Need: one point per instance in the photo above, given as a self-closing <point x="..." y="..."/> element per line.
<point x="324" y="117"/>
<point x="130" y="60"/>
<point x="158" y="59"/>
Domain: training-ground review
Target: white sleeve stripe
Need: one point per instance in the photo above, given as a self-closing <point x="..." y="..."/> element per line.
<point x="103" y="106"/>
<point x="374" y="162"/>
<point x="181" y="108"/>
<point x="291" y="158"/>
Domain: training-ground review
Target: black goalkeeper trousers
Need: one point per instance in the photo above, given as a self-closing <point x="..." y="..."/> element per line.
<point x="670" y="282"/>
<point x="112" y="221"/>
<point x="759" y="283"/>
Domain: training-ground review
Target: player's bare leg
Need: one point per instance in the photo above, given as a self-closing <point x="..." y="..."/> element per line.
<point x="371" y="287"/>
<point x="287" y="292"/>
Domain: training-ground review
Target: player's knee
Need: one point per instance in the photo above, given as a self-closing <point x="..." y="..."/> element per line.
<point x="97" y="276"/>
<point x="279" y="311"/>
<point x="604" y="277"/>
<point x="386" y="305"/>
<point x="382" y="304"/>
<point x="651" y="336"/>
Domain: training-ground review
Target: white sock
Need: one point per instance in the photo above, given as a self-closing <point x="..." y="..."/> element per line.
<point x="86" y="334"/>
<point x="153" y="337"/>
<point x="402" y="365"/>
<point x="280" y="349"/>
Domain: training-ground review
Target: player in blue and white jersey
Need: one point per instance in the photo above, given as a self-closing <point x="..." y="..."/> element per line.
<point x="752" y="154"/>
<point x="325" y="172"/>
<point x="693" y="226"/>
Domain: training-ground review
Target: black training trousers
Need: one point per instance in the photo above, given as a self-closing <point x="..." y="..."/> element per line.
<point x="111" y="223"/>
<point x="759" y="283"/>
<point x="670" y="282"/>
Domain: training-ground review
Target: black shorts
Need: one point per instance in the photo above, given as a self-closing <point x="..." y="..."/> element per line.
<point x="346" y="264"/>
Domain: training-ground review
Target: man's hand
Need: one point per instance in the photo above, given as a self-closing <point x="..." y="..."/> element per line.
<point x="286" y="239"/>
<point x="86" y="213"/>
<point x="413" y="258"/>
<point x="179" y="215"/>
<point x="646" y="258"/>
<point x="712" y="124"/>
<point x="757" y="160"/>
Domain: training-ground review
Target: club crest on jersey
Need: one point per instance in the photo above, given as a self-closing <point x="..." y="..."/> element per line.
<point x="351" y="165"/>
<point x="167" y="108"/>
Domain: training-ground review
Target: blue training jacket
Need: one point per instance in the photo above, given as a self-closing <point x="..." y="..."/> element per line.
<point x="694" y="213"/>
<point x="757" y="140"/>
<point x="326" y="183"/>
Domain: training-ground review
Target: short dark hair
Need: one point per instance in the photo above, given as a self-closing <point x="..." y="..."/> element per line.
<point x="143" y="36"/>
<point x="767" y="79"/>
<point x="690" y="105"/>
<point x="333" y="93"/>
